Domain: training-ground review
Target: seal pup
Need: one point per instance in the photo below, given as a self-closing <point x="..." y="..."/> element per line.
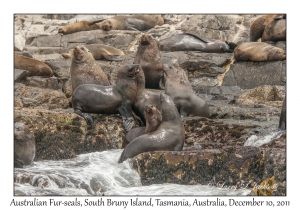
<point x="113" y="99"/>
<point x="33" y="66"/>
<point x="169" y="136"/>
<point x="100" y="51"/>
<point x="153" y="119"/>
<point x="148" y="56"/>
<point x="80" y="26"/>
<point x="192" y="42"/>
<point x="282" y="120"/>
<point x="144" y="97"/>
<point x="258" y="51"/>
<point x="257" y="27"/>
<point x="24" y="145"/>
<point x="85" y="70"/>
<point x="275" y="31"/>
<point x="131" y="22"/>
<point x="178" y="87"/>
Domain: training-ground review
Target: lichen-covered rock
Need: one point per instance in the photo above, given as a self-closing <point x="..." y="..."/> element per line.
<point x="249" y="75"/>
<point x="62" y="134"/>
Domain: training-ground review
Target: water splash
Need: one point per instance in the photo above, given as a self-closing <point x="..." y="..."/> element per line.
<point x="98" y="173"/>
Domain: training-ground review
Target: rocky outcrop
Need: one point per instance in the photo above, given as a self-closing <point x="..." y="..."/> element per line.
<point x="245" y="100"/>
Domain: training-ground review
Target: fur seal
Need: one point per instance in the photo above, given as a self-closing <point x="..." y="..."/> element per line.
<point x="131" y="22"/>
<point x="113" y="99"/>
<point x="257" y="27"/>
<point x="80" y="26"/>
<point x="275" y="31"/>
<point x="24" y="145"/>
<point x="144" y="97"/>
<point x="33" y="66"/>
<point x="100" y="51"/>
<point x="168" y="136"/>
<point x="85" y="70"/>
<point x="282" y="120"/>
<point x="148" y="56"/>
<point x="192" y="42"/>
<point x="153" y="119"/>
<point x="258" y="51"/>
<point x="178" y="87"/>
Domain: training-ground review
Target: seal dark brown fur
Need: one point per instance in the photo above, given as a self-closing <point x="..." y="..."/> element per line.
<point x="169" y="136"/>
<point x="148" y="56"/>
<point x="258" y="51"/>
<point x="33" y="66"/>
<point x="275" y="31"/>
<point x="153" y="119"/>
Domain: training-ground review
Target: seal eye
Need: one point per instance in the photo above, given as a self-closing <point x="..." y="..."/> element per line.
<point x="82" y="48"/>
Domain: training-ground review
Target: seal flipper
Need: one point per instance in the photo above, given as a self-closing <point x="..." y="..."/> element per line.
<point x="86" y="116"/>
<point x="126" y="114"/>
<point x="114" y="57"/>
<point x="96" y="21"/>
<point x="161" y="83"/>
<point x="136" y="24"/>
<point x="198" y="37"/>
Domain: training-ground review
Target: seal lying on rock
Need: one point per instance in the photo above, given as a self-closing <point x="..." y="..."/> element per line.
<point x="80" y="26"/>
<point x="178" y="87"/>
<point x="114" y="99"/>
<point x="148" y="56"/>
<point x="33" y="66"/>
<point x="131" y="22"/>
<point x="168" y="136"/>
<point x="24" y="146"/>
<point x="153" y="119"/>
<point x="192" y="42"/>
<point x="257" y="27"/>
<point x="85" y="70"/>
<point x="275" y="31"/>
<point x="100" y="51"/>
<point x="258" y="51"/>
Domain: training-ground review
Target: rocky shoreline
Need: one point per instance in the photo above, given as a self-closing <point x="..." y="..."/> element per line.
<point x="245" y="99"/>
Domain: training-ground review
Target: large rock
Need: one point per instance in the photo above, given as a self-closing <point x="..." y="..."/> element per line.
<point x="62" y="134"/>
<point x="249" y="75"/>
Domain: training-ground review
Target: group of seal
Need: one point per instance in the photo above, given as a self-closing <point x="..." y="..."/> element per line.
<point x="119" y="22"/>
<point x="168" y="136"/>
<point x="113" y="99"/>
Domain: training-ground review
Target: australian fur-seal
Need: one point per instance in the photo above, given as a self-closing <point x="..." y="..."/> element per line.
<point x="145" y="96"/>
<point x="148" y="56"/>
<point x="282" y="120"/>
<point x="275" y="31"/>
<point x="131" y="22"/>
<point x="178" y="87"/>
<point x="85" y="70"/>
<point x="153" y="119"/>
<point x="113" y="99"/>
<point x="100" y="51"/>
<point x="257" y="27"/>
<point x="192" y="42"/>
<point x="80" y="26"/>
<point x="24" y="145"/>
<point x="258" y="51"/>
<point x="33" y="66"/>
<point x="169" y="136"/>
